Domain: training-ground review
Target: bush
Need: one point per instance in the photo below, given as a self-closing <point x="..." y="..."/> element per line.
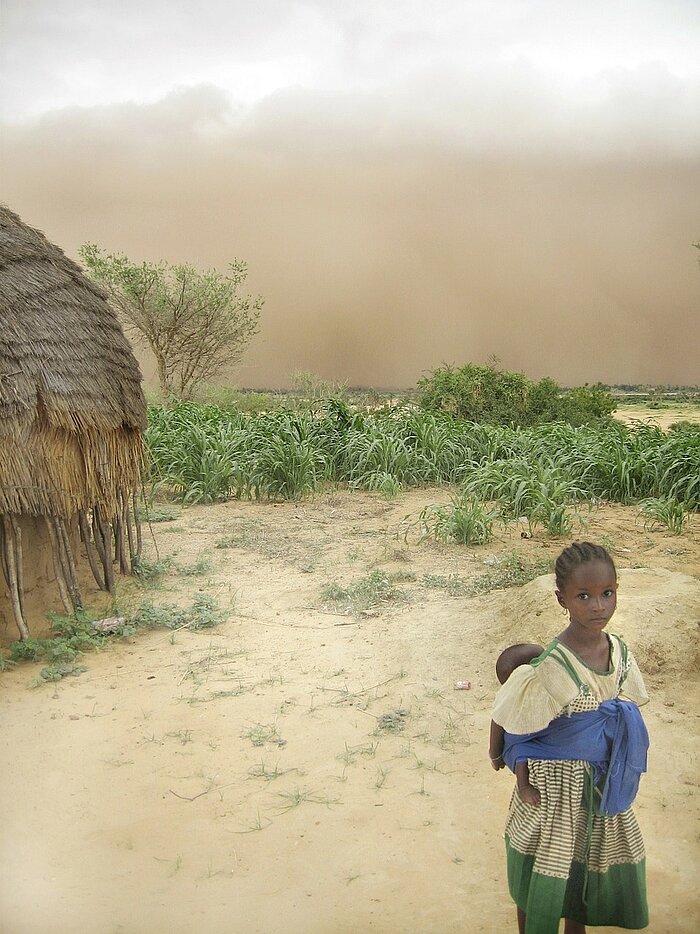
<point x="465" y="521"/>
<point x="499" y="397"/>
<point x="585" y="404"/>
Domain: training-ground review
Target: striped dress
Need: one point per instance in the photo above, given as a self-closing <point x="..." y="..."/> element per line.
<point x="564" y="859"/>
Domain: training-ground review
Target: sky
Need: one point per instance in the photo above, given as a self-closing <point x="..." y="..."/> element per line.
<point x="411" y="184"/>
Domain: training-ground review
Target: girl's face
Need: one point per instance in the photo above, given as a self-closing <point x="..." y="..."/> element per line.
<point x="590" y="595"/>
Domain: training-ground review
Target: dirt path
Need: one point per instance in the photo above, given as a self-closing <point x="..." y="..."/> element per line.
<point x="298" y="769"/>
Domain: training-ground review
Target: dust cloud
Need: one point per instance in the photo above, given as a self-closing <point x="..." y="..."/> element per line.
<point x="381" y="252"/>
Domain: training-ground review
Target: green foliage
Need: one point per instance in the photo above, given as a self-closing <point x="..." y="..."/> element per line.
<point x="312" y="388"/>
<point x="59" y="671"/>
<point x="377" y="589"/>
<point x="202" y="565"/>
<point x="451" y="584"/>
<point x="202" y="453"/>
<point x="664" y="512"/>
<point x="498" y="397"/>
<point x="380" y="482"/>
<point x="585" y="404"/>
<point x="513" y="570"/>
<point x="465" y="521"/>
<point x="685" y="425"/>
<point x="74" y="635"/>
<point x="288" y="464"/>
<point x="147" y="570"/>
<point x="203" y="614"/>
<point x="160" y="513"/>
<point x="195" y="323"/>
<point x="238" y="400"/>
<point x="537" y="491"/>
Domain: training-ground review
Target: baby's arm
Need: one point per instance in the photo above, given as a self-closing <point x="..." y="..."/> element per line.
<point x="528" y="793"/>
<point x="496" y="746"/>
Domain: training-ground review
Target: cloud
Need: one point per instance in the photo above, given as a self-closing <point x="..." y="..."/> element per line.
<point x="446" y="216"/>
<point x="82" y="53"/>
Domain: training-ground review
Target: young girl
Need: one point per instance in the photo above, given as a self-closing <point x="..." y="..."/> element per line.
<point x="579" y="854"/>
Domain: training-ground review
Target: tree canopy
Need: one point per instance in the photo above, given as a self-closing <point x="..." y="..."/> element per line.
<point x="195" y="323"/>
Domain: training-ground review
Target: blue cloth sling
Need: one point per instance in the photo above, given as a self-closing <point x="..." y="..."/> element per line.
<point x="613" y="739"/>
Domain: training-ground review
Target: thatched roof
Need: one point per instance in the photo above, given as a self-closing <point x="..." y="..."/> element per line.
<point x="72" y="411"/>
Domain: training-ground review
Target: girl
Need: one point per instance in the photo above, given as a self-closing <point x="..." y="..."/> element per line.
<point x="579" y="854"/>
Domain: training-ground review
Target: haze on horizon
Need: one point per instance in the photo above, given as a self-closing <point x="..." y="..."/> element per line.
<point x="409" y="184"/>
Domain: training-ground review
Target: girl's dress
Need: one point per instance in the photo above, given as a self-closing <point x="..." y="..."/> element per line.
<point x="564" y="859"/>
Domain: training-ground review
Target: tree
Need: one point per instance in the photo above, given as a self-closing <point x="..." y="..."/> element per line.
<point x="195" y="323"/>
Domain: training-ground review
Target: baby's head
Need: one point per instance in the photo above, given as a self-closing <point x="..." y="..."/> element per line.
<point x="515" y="656"/>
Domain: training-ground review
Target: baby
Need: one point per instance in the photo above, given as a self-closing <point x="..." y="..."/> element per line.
<point x="510" y="659"/>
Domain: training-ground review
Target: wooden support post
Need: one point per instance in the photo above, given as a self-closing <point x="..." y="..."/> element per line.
<point x="119" y="556"/>
<point x="105" y="537"/>
<point x="10" y="561"/>
<point x="126" y="522"/>
<point x="90" y="550"/>
<point x="69" y="564"/>
<point x="58" y="567"/>
<point x="137" y="524"/>
<point x="19" y="561"/>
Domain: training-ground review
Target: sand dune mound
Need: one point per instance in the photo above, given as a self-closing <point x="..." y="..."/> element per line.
<point x="658" y="615"/>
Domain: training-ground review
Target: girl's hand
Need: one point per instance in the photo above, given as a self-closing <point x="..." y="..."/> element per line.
<point x="497" y="764"/>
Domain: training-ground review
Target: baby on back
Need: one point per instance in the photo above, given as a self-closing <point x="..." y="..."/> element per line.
<point x="506" y="663"/>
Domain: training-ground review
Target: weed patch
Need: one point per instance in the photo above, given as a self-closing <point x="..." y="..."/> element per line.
<point x="664" y="512"/>
<point x="452" y="584"/>
<point x="203" y="614"/>
<point x="511" y="571"/>
<point x="376" y="590"/>
<point x="75" y="635"/>
<point x="392" y="722"/>
<point x="261" y="733"/>
<point x="151" y="570"/>
<point x="202" y="565"/>
<point x="464" y="521"/>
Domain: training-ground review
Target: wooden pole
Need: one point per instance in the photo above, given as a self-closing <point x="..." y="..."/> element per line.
<point x="69" y="562"/>
<point x="58" y="568"/>
<point x="137" y="523"/>
<point x="119" y="555"/>
<point x="9" y="551"/>
<point x="3" y="557"/>
<point x="90" y="550"/>
<point x="126" y="521"/>
<point x="106" y="549"/>
<point x="19" y="561"/>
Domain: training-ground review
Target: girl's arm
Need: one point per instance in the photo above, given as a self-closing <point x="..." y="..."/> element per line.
<point x="496" y="746"/>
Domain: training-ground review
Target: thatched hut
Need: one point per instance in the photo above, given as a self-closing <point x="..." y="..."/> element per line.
<point x="72" y="415"/>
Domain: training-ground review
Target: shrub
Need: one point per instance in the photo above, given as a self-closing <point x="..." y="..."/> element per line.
<point x="487" y="394"/>
<point x="465" y="521"/>
<point x="666" y="512"/>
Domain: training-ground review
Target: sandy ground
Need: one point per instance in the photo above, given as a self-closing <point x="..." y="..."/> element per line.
<point x="630" y="413"/>
<point x="304" y="771"/>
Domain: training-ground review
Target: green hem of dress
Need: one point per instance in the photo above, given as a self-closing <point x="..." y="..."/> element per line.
<point x="616" y="898"/>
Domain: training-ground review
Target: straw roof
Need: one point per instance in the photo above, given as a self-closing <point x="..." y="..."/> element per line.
<point x="72" y="411"/>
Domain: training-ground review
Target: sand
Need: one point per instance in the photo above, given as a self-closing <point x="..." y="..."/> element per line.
<point x="666" y="416"/>
<point x="301" y="770"/>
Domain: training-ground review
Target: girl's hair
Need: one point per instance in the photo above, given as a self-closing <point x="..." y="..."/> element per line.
<point x="577" y="554"/>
